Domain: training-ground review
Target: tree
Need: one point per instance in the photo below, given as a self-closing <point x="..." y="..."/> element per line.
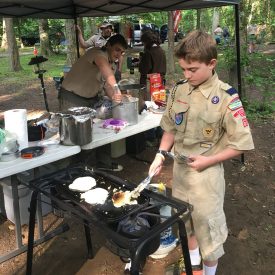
<point x="4" y="43"/>
<point x="45" y="48"/>
<point x="12" y="46"/>
<point x="71" y="42"/>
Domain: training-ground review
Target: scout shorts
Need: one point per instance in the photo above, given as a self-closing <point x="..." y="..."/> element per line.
<point x="205" y="191"/>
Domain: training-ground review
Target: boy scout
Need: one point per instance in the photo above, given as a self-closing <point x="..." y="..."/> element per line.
<point x="205" y="121"/>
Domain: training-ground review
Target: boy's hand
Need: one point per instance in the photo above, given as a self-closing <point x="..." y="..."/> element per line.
<point x="199" y="162"/>
<point x="156" y="165"/>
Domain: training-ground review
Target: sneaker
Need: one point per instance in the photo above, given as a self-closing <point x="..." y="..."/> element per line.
<point x="114" y="167"/>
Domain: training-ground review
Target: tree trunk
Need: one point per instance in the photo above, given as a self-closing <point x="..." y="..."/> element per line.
<point x="71" y="42"/>
<point x="170" y="52"/>
<point x="216" y="19"/>
<point x="4" y="43"/>
<point x="45" y="48"/>
<point x="18" y="23"/>
<point x="198" y="19"/>
<point x="12" y="46"/>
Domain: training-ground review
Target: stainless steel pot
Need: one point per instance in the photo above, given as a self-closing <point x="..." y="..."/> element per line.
<point x="75" y="126"/>
<point x="127" y="110"/>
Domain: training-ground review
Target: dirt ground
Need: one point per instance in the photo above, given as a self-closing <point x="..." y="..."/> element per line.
<point x="249" y="208"/>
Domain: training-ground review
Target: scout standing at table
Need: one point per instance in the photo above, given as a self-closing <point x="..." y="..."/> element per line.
<point x="99" y="40"/>
<point x="92" y="75"/>
<point x="205" y="121"/>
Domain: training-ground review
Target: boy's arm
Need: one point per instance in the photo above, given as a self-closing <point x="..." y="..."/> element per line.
<point x="108" y="75"/>
<point x="166" y="144"/>
<point x="201" y="162"/>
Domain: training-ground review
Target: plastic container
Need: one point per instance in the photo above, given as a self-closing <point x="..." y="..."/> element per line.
<point x="24" y="196"/>
<point x="118" y="148"/>
<point x="167" y="240"/>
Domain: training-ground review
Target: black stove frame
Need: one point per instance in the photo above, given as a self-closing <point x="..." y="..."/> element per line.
<point x="181" y="214"/>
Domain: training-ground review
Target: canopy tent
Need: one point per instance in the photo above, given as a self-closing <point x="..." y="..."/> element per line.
<point x="66" y="9"/>
<point x="92" y="8"/>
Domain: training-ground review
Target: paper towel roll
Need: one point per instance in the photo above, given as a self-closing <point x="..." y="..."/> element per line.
<point x="16" y="123"/>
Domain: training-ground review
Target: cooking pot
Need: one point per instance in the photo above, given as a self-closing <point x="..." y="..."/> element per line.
<point x="75" y="126"/>
<point x="135" y="90"/>
<point x="126" y="110"/>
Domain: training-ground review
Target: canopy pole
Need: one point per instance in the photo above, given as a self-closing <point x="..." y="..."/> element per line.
<point x="238" y="49"/>
<point x="76" y="33"/>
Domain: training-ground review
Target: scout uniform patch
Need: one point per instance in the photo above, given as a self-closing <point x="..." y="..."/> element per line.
<point x="208" y="132"/>
<point x="235" y="104"/>
<point x="215" y="99"/>
<point x="232" y="91"/>
<point x="178" y="118"/>
<point x="240" y="112"/>
<point x="245" y="122"/>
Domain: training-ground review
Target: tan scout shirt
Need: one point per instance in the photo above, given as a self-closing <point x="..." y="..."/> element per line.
<point x="206" y="119"/>
<point x="84" y="78"/>
<point x="97" y="40"/>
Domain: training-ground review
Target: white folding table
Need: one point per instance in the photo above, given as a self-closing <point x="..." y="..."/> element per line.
<point x="11" y="168"/>
<point x="146" y="121"/>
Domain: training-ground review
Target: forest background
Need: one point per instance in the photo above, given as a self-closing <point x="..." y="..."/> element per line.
<point x="55" y="40"/>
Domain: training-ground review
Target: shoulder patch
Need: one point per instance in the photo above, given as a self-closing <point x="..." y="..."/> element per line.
<point x="232" y="91"/>
<point x="181" y="82"/>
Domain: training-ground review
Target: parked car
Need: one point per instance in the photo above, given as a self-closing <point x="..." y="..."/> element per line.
<point x="140" y="28"/>
<point x="164" y="32"/>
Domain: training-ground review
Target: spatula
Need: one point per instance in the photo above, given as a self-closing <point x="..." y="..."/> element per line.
<point x="136" y="192"/>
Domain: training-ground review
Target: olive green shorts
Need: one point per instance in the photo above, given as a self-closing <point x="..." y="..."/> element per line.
<point x="205" y="191"/>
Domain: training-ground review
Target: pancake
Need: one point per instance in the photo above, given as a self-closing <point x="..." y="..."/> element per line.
<point x="95" y="196"/>
<point x="82" y="184"/>
<point x="122" y="198"/>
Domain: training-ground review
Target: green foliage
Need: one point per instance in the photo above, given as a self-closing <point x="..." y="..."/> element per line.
<point x="54" y="67"/>
<point x="261" y="80"/>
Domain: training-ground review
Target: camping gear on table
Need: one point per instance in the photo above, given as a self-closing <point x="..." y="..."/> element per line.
<point x="76" y="126"/>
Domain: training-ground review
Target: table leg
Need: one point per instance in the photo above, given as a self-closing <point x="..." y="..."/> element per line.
<point x="16" y="210"/>
<point x="184" y="245"/>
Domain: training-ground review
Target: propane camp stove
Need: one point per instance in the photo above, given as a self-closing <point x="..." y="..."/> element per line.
<point x="136" y="243"/>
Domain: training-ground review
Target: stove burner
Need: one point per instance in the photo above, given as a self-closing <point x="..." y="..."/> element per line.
<point x="131" y="231"/>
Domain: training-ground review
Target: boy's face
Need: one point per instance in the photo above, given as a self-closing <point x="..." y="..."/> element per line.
<point x="196" y="72"/>
<point x="115" y="52"/>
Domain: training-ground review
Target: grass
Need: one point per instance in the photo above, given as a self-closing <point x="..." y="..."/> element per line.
<point x="54" y="67"/>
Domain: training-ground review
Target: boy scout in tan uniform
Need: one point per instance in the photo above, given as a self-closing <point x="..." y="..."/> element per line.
<point x="204" y="121"/>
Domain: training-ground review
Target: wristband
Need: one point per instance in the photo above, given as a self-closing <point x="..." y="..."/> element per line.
<point x="161" y="153"/>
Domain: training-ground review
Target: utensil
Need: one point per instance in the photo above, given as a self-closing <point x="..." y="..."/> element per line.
<point x="136" y="192"/>
<point x="177" y="156"/>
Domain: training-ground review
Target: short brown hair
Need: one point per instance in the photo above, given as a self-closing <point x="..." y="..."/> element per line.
<point x="197" y="46"/>
<point x="149" y="39"/>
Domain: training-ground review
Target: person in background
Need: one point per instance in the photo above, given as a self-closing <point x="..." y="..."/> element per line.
<point x="252" y="32"/>
<point x="206" y="124"/>
<point x="153" y="60"/>
<point x="226" y="36"/>
<point x="100" y="40"/>
<point x="92" y="75"/>
<point x="218" y="34"/>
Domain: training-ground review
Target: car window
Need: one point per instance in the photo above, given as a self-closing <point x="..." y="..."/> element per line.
<point x="137" y="27"/>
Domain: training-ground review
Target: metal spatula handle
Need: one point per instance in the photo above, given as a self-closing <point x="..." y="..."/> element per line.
<point x="136" y="192"/>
